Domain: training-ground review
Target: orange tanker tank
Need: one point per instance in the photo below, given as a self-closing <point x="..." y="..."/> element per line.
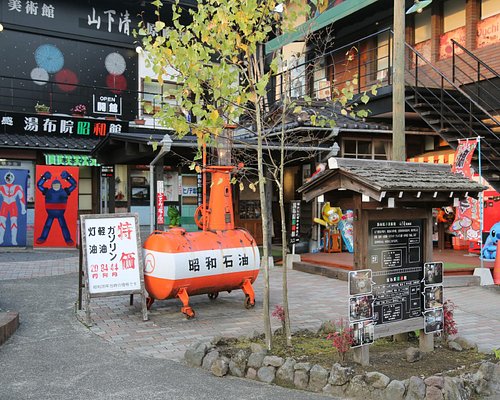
<point x="219" y="258"/>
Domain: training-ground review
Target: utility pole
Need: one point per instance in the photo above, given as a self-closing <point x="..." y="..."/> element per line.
<point x="398" y="83"/>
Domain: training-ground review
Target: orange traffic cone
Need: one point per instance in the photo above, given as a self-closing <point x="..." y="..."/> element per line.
<point x="496" y="268"/>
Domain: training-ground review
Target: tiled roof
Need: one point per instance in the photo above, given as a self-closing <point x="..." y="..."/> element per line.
<point x="389" y="176"/>
<point x="48" y="142"/>
<point x="395" y="176"/>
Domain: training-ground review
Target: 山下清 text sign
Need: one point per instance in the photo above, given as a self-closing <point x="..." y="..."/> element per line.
<point x="112" y="254"/>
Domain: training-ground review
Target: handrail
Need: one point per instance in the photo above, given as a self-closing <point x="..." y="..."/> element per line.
<point x="476" y="58"/>
<point x="462" y="92"/>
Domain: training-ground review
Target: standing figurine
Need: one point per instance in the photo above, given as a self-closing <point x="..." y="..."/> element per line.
<point x="56" y="199"/>
<point x="10" y="193"/>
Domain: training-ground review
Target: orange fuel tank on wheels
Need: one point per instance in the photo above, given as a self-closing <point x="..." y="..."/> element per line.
<point x="219" y="258"/>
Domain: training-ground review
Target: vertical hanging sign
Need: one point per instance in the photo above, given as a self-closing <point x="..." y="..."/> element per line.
<point x="160" y="199"/>
<point x="13" y="194"/>
<point x="56" y="206"/>
<point x="112" y="257"/>
<point x="467" y="219"/>
<point x="295" y="224"/>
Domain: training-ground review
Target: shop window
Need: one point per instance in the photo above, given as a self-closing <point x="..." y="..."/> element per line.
<point x="489" y="8"/>
<point x="423" y="25"/>
<point x="375" y="149"/>
<point x="155" y="95"/>
<point x="384" y="54"/>
<point x="85" y="189"/>
<point x="139" y="187"/>
<point x="121" y="188"/>
<point x="453" y="14"/>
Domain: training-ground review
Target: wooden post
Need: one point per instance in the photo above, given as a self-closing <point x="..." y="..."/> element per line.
<point x="362" y="355"/>
<point x="426" y="342"/>
<point x="398" y="86"/>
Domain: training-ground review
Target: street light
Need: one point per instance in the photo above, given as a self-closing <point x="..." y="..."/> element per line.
<point x="166" y="145"/>
<point x="418" y="6"/>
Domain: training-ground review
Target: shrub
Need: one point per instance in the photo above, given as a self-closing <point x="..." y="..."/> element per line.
<point x="450" y="325"/>
<point x="341" y="338"/>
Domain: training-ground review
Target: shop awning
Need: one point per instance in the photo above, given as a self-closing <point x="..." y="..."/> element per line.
<point x="326" y="18"/>
<point x="78" y="144"/>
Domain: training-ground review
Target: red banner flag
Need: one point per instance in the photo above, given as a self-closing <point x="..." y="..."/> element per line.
<point x="467" y="216"/>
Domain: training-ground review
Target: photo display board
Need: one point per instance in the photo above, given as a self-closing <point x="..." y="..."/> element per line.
<point x="361" y="301"/>
<point x="395" y="255"/>
<point x="433" y="297"/>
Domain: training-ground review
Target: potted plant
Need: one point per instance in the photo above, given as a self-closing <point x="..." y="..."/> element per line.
<point x="139" y="120"/>
<point x="79" y="109"/>
<point x="41" y="108"/>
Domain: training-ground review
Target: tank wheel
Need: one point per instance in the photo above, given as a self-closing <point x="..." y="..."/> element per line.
<point x="248" y="302"/>
<point x="199" y="216"/>
<point x="188" y="312"/>
<point x="149" y="302"/>
<point x="213" y="296"/>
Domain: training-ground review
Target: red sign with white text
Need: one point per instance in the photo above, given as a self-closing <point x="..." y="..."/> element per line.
<point x="160" y="210"/>
<point x="56" y="206"/>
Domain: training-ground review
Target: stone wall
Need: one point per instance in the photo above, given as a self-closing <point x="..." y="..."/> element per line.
<point x="254" y="363"/>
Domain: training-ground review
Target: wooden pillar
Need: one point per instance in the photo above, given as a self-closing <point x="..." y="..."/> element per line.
<point x="436" y="29"/>
<point x="398" y="86"/>
<point x="360" y="238"/>
<point x="111" y="192"/>
<point x="362" y="355"/>
<point x="472" y="16"/>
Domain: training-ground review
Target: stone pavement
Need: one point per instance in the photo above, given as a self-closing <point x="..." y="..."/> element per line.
<point x="313" y="299"/>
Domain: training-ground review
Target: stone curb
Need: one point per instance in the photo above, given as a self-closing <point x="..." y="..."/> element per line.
<point x="9" y="322"/>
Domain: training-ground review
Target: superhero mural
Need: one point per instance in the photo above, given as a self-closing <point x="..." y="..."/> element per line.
<point x="56" y="206"/>
<point x="13" y="186"/>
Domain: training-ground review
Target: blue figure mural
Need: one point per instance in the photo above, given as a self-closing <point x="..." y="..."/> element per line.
<point x="13" y="207"/>
<point x="56" y="199"/>
<point x="489" y="251"/>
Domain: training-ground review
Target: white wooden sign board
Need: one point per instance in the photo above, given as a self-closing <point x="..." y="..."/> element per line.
<point x="112" y="257"/>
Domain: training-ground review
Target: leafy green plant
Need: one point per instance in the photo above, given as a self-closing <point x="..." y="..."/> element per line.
<point x="40" y="107"/>
<point x="496" y="352"/>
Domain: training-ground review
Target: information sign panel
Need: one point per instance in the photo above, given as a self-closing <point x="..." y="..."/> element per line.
<point x="295" y="223"/>
<point x="395" y="254"/>
<point x="112" y="256"/>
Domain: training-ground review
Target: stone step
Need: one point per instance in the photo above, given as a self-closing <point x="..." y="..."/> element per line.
<point x="330" y="272"/>
<point x="9" y="322"/>
<point x="461" y="281"/>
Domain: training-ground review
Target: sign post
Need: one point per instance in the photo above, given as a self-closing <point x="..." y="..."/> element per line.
<point x="295" y="223"/>
<point x="112" y="258"/>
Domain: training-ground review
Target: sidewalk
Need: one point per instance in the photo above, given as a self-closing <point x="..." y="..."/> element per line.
<point x="168" y="334"/>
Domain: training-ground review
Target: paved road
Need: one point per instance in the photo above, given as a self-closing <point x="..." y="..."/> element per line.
<point x="53" y="355"/>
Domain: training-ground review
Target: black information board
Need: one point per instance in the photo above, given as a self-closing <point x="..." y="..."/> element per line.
<point x="395" y="254"/>
<point x="295" y="223"/>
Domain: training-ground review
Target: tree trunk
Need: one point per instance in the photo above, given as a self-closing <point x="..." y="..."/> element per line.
<point x="284" y="248"/>
<point x="264" y="211"/>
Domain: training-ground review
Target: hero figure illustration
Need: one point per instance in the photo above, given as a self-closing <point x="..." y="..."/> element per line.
<point x="56" y="201"/>
<point x="10" y="192"/>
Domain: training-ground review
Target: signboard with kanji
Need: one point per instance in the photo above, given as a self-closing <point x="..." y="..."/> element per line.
<point x="112" y="256"/>
<point x="395" y="254"/>
<point x="295" y="223"/>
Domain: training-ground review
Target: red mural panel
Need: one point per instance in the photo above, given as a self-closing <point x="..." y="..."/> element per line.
<point x="56" y="206"/>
